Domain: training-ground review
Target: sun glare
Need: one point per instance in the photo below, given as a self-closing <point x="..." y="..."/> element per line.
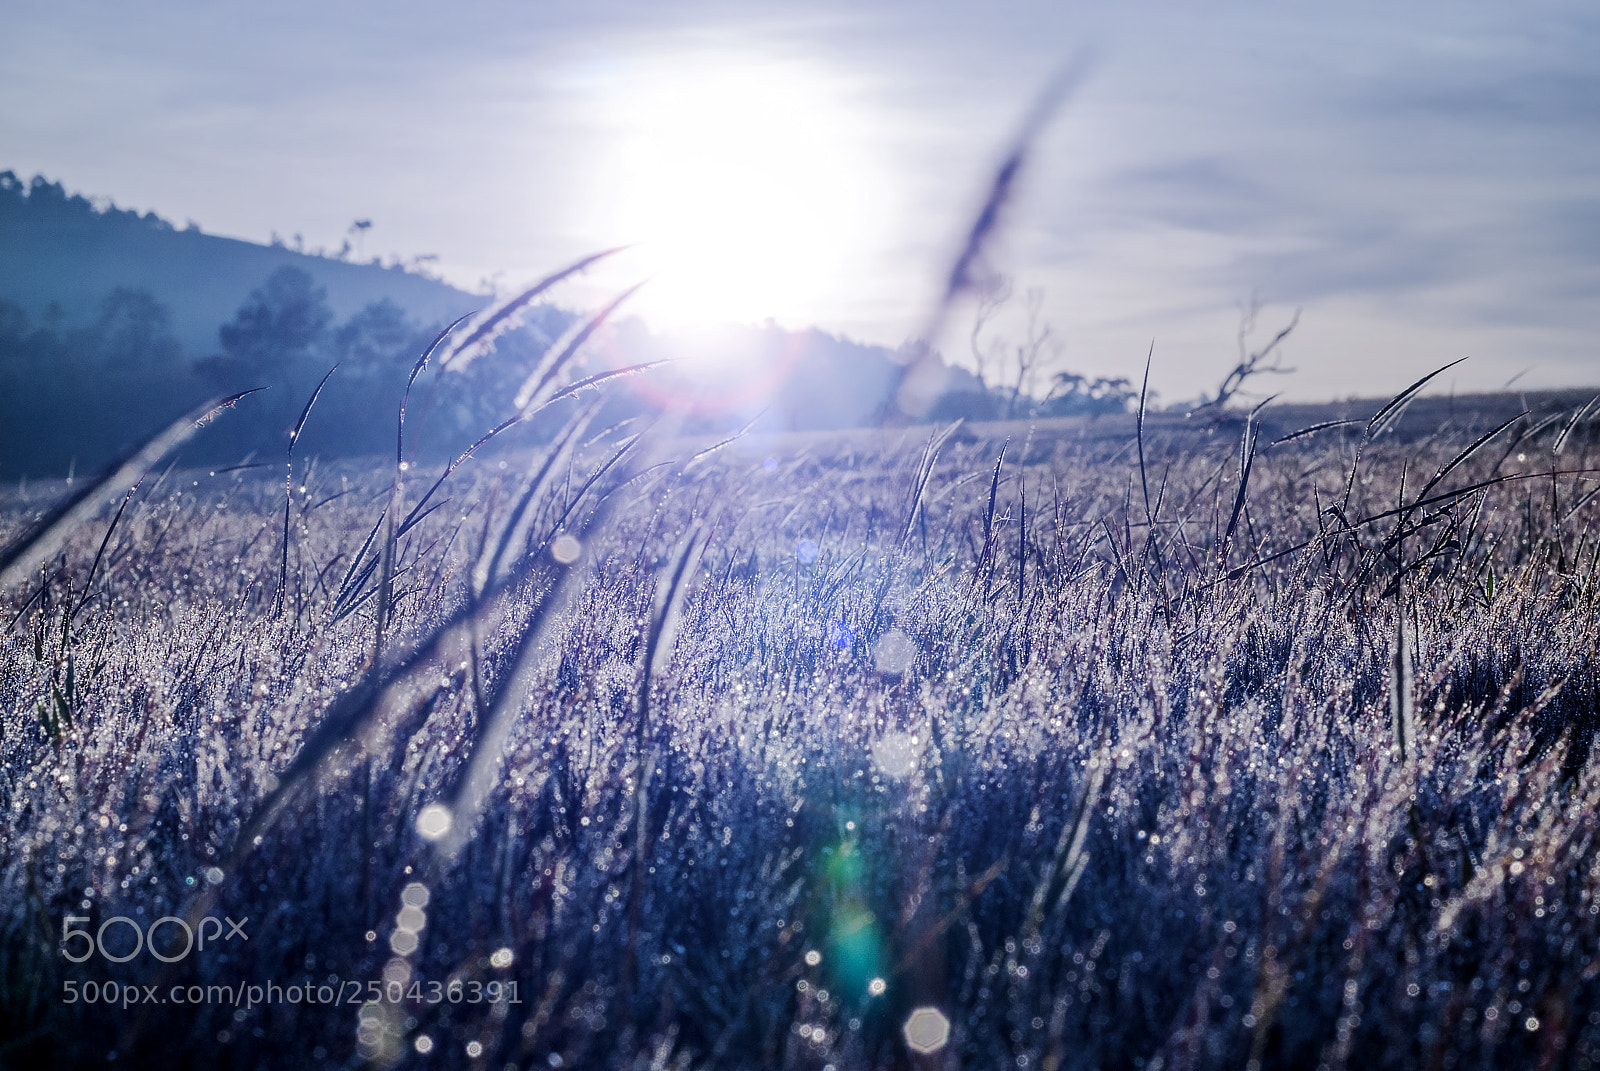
<point x="748" y="187"/>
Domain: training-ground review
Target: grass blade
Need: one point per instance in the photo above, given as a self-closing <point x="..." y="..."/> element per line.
<point x="1577" y="418"/>
<point x="1481" y="442"/>
<point x="1313" y="429"/>
<point x="1386" y="417"/>
<point x="40" y="541"/>
<point x="416" y="370"/>
<point x="496" y="320"/>
<point x="548" y="370"/>
<point x="909" y="395"/>
<point x="288" y="486"/>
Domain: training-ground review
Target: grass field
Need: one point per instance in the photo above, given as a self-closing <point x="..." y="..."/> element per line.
<point x="1057" y="746"/>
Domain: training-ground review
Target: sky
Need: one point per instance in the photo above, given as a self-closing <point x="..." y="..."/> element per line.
<point x="1420" y="181"/>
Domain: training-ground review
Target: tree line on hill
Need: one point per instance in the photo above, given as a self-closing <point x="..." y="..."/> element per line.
<point x="74" y="396"/>
<point x="82" y="380"/>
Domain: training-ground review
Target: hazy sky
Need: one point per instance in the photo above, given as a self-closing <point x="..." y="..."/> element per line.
<point x="1421" y="179"/>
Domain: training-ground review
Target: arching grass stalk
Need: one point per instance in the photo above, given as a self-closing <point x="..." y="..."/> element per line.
<point x="40" y="541"/>
<point x="288" y="492"/>
<point x="657" y="645"/>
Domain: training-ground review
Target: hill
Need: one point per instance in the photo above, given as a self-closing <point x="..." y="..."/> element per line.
<point x="113" y="322"/>
<point x="63" y="249"/>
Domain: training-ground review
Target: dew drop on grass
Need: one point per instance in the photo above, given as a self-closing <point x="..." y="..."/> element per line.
<point x="895" y="754"/>
<point x="565" y="549"/>
<point x="927" y="1031"/>
<point x="894" y="653"/>
<point x="434" y="821"/>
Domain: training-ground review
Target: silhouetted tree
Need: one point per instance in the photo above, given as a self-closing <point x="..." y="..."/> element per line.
<point x="79" y="395"/>
<point x="133" y="335"/>
<point x="1039" y="347"/>
<point x="1252" y="363"/>
<point x="358" y="230"/>
<point x="1012" y="378"/>
<point x="992" y="297"/>
<point x="374" y="350"/>
<point x="273" y="331"/>
<point x="1075" y="395"/>
<point x="376" y="341"/>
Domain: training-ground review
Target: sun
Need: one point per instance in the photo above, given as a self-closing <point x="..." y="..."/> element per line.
<point x="748" y="186"/>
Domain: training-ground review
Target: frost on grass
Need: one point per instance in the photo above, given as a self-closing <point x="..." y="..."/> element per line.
<point x="1065" y="781"/>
